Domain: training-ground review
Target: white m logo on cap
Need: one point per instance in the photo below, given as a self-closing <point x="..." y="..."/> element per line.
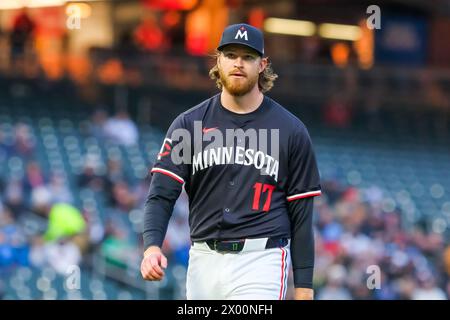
<point x="241" y="34"/>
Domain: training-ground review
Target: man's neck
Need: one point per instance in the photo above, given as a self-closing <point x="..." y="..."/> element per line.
<point x="243" y="104"/>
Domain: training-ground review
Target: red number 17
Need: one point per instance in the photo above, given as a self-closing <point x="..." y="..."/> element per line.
<point x="262" y="188"/>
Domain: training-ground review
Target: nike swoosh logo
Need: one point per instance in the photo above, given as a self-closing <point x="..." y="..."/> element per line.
<point x="206" y="130"/>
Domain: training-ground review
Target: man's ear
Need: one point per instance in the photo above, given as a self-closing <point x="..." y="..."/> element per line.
<point x="263" y="64"/>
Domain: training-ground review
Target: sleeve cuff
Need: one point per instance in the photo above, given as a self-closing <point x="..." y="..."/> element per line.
<point x="168" y="173"/>
<point x="303" y="277"/>
<point x="304" y="195"/>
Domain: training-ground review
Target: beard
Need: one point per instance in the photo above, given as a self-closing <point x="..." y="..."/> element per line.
<point x="238" y="86"/>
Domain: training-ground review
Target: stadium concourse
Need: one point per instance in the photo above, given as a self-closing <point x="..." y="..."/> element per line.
<point x="385" y="203"/>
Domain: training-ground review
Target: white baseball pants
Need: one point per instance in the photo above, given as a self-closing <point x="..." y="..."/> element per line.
<point x="255" y="273"/>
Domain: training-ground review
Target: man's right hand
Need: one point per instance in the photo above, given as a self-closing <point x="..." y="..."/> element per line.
<point x="153" y="263"/>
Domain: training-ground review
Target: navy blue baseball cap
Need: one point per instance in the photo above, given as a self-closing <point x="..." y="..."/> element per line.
<point x="244" y="34"/>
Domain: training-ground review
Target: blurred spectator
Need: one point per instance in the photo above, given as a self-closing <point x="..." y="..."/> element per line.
<point x="59" y="189"/>
<point x="65" y="237"/>
<point x="41" y="201"/>
<point x="96" y="229"/>
<point x="122" y="197"/>
<point x="121" y="129"/>
<point x="148" y="34"/>
<point x="34" y="176"/>
<point x="337" y="112"/>
<point x="447" y="290"/>
<point x="6" y="253"/>
<point x="14" y="197"/>
<point x="115" y="171"/>
<point x="335" y="289"/>
<point x="64" y="221"/>
<point x="334" y="190"/>
<point x="386" y="290"/>
<point x="2" y="289"/>
<point x="21" y="37"/>
<point x="90" y="177"/>
<point x="24" y="143"/>
<point x="404" y="287"/>
<point x="175" y="31"/>
<point x="116" y="183"/>
<point x="97" y="124"/>
<point x="446" y="258"/>
<point x="331" y="231"/>
<point x="428" y="290"/>
<point x="4" y="147"/>
<point x="14" y="248"/>
<point x="116" y="247"/>
<point x="59" y="255"/>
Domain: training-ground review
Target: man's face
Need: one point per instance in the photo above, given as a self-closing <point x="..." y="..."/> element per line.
<point x="239" y="68"/>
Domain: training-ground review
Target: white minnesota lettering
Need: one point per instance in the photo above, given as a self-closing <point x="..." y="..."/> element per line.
<point x="229" y="155"/>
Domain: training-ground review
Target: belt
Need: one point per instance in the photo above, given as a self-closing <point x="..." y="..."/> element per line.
<point x="234" y="246"/>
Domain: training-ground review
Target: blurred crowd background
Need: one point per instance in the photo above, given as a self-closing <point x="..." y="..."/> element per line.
<point x="89" y="88"/>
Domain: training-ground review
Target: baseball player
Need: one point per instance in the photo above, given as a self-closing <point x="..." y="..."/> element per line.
<point x="250" y="172"/>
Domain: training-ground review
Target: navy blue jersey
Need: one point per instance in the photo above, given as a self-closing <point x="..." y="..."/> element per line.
<point x="240" y="171"/>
